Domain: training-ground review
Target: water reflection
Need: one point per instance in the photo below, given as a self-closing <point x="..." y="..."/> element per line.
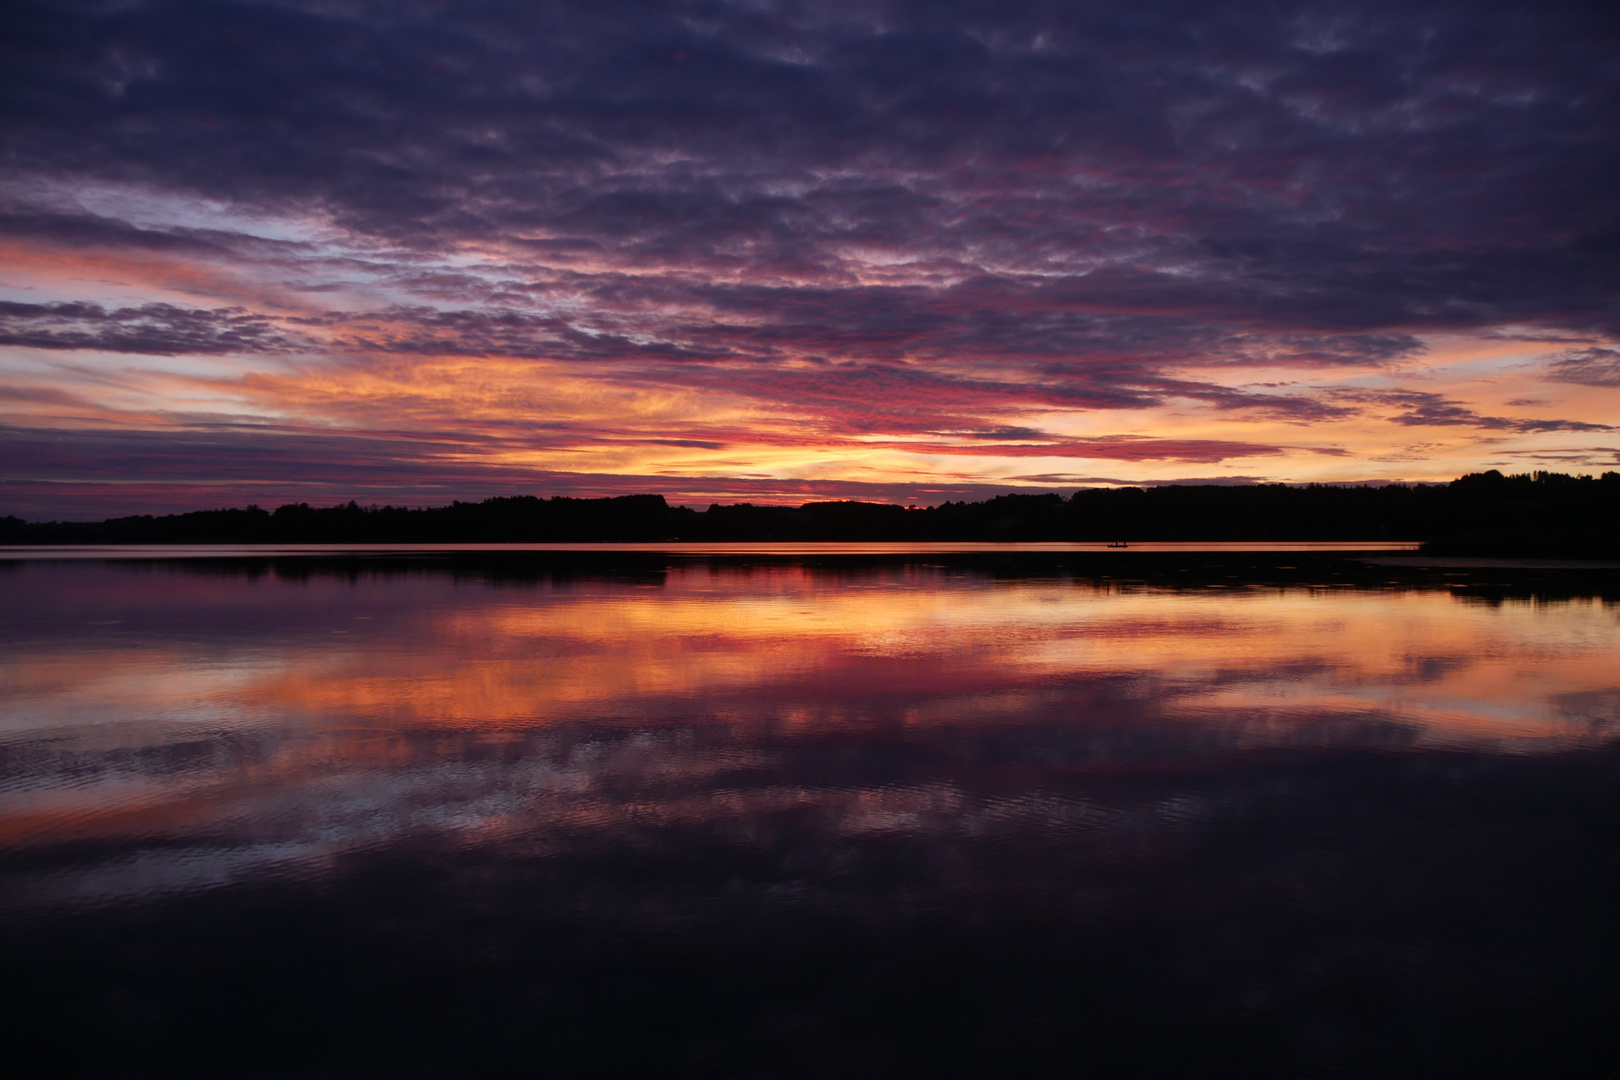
<point x="319" y="712"/>
<point x="688" y="742"/>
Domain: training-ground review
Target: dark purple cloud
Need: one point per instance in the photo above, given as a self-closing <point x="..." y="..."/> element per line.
<point x="148" y="330"/>
<point x="1587" y="367"/>
<point x="1426" y="409"/>
<point x="1348" y="167"/>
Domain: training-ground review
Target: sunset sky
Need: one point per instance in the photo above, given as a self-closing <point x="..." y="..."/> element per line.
<point x="415" y="252"/>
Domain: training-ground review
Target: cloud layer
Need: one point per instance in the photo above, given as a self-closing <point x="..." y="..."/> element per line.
<point x="823" y="243"/>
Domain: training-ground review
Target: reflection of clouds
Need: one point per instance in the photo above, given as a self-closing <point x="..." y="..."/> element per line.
<point x="547" y="655"/>
<point x="755" y="708"/>
<point x="479" y="657"/>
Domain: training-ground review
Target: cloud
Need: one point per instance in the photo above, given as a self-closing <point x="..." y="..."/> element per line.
<point x="1587" y="367"/>
<point x="931" y="224"/>
<point x="149" y="330"/>
<point x="1438" y="170"/>
<point x="1117" y="448"/>
<point x="90" y="474"/>
<point x="1074" y="480"/>
<point x="1427" y="409"/>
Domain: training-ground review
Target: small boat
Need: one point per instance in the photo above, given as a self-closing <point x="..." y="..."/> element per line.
<point x="1119" y="543"/>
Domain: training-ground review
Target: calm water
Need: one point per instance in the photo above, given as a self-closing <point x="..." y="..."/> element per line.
<point x="882" y="815"/>
<point x="771" y="549"/>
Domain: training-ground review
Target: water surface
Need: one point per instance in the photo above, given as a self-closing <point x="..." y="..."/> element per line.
<point x="719" y="814"/>
<point x="904" y="549"/>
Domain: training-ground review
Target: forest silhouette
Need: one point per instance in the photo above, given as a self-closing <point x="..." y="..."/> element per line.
<point x="1542" y="514"/>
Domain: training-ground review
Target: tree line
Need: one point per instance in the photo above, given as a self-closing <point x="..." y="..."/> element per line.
<point x="1541" y="513"/>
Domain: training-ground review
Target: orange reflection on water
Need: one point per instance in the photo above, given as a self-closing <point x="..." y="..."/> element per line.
<point x="369" y="705"/>
<point x="477" y="657"/>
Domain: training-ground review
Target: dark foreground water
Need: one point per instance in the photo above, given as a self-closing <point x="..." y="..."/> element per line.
<point x="635" y="814"/>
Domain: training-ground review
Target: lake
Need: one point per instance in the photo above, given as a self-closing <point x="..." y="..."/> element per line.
<point x="767" y="812"/>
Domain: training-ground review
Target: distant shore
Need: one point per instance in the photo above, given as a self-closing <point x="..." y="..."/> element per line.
<point x="1533" y="516"/>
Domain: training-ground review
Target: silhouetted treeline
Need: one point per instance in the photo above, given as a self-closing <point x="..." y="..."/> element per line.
<point x="1548" y="514"/>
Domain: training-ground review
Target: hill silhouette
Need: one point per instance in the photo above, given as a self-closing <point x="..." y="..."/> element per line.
<point x="1540" y="514"/>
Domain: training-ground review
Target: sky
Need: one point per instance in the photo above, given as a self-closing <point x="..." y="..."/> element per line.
<point x="772" y="252"/>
